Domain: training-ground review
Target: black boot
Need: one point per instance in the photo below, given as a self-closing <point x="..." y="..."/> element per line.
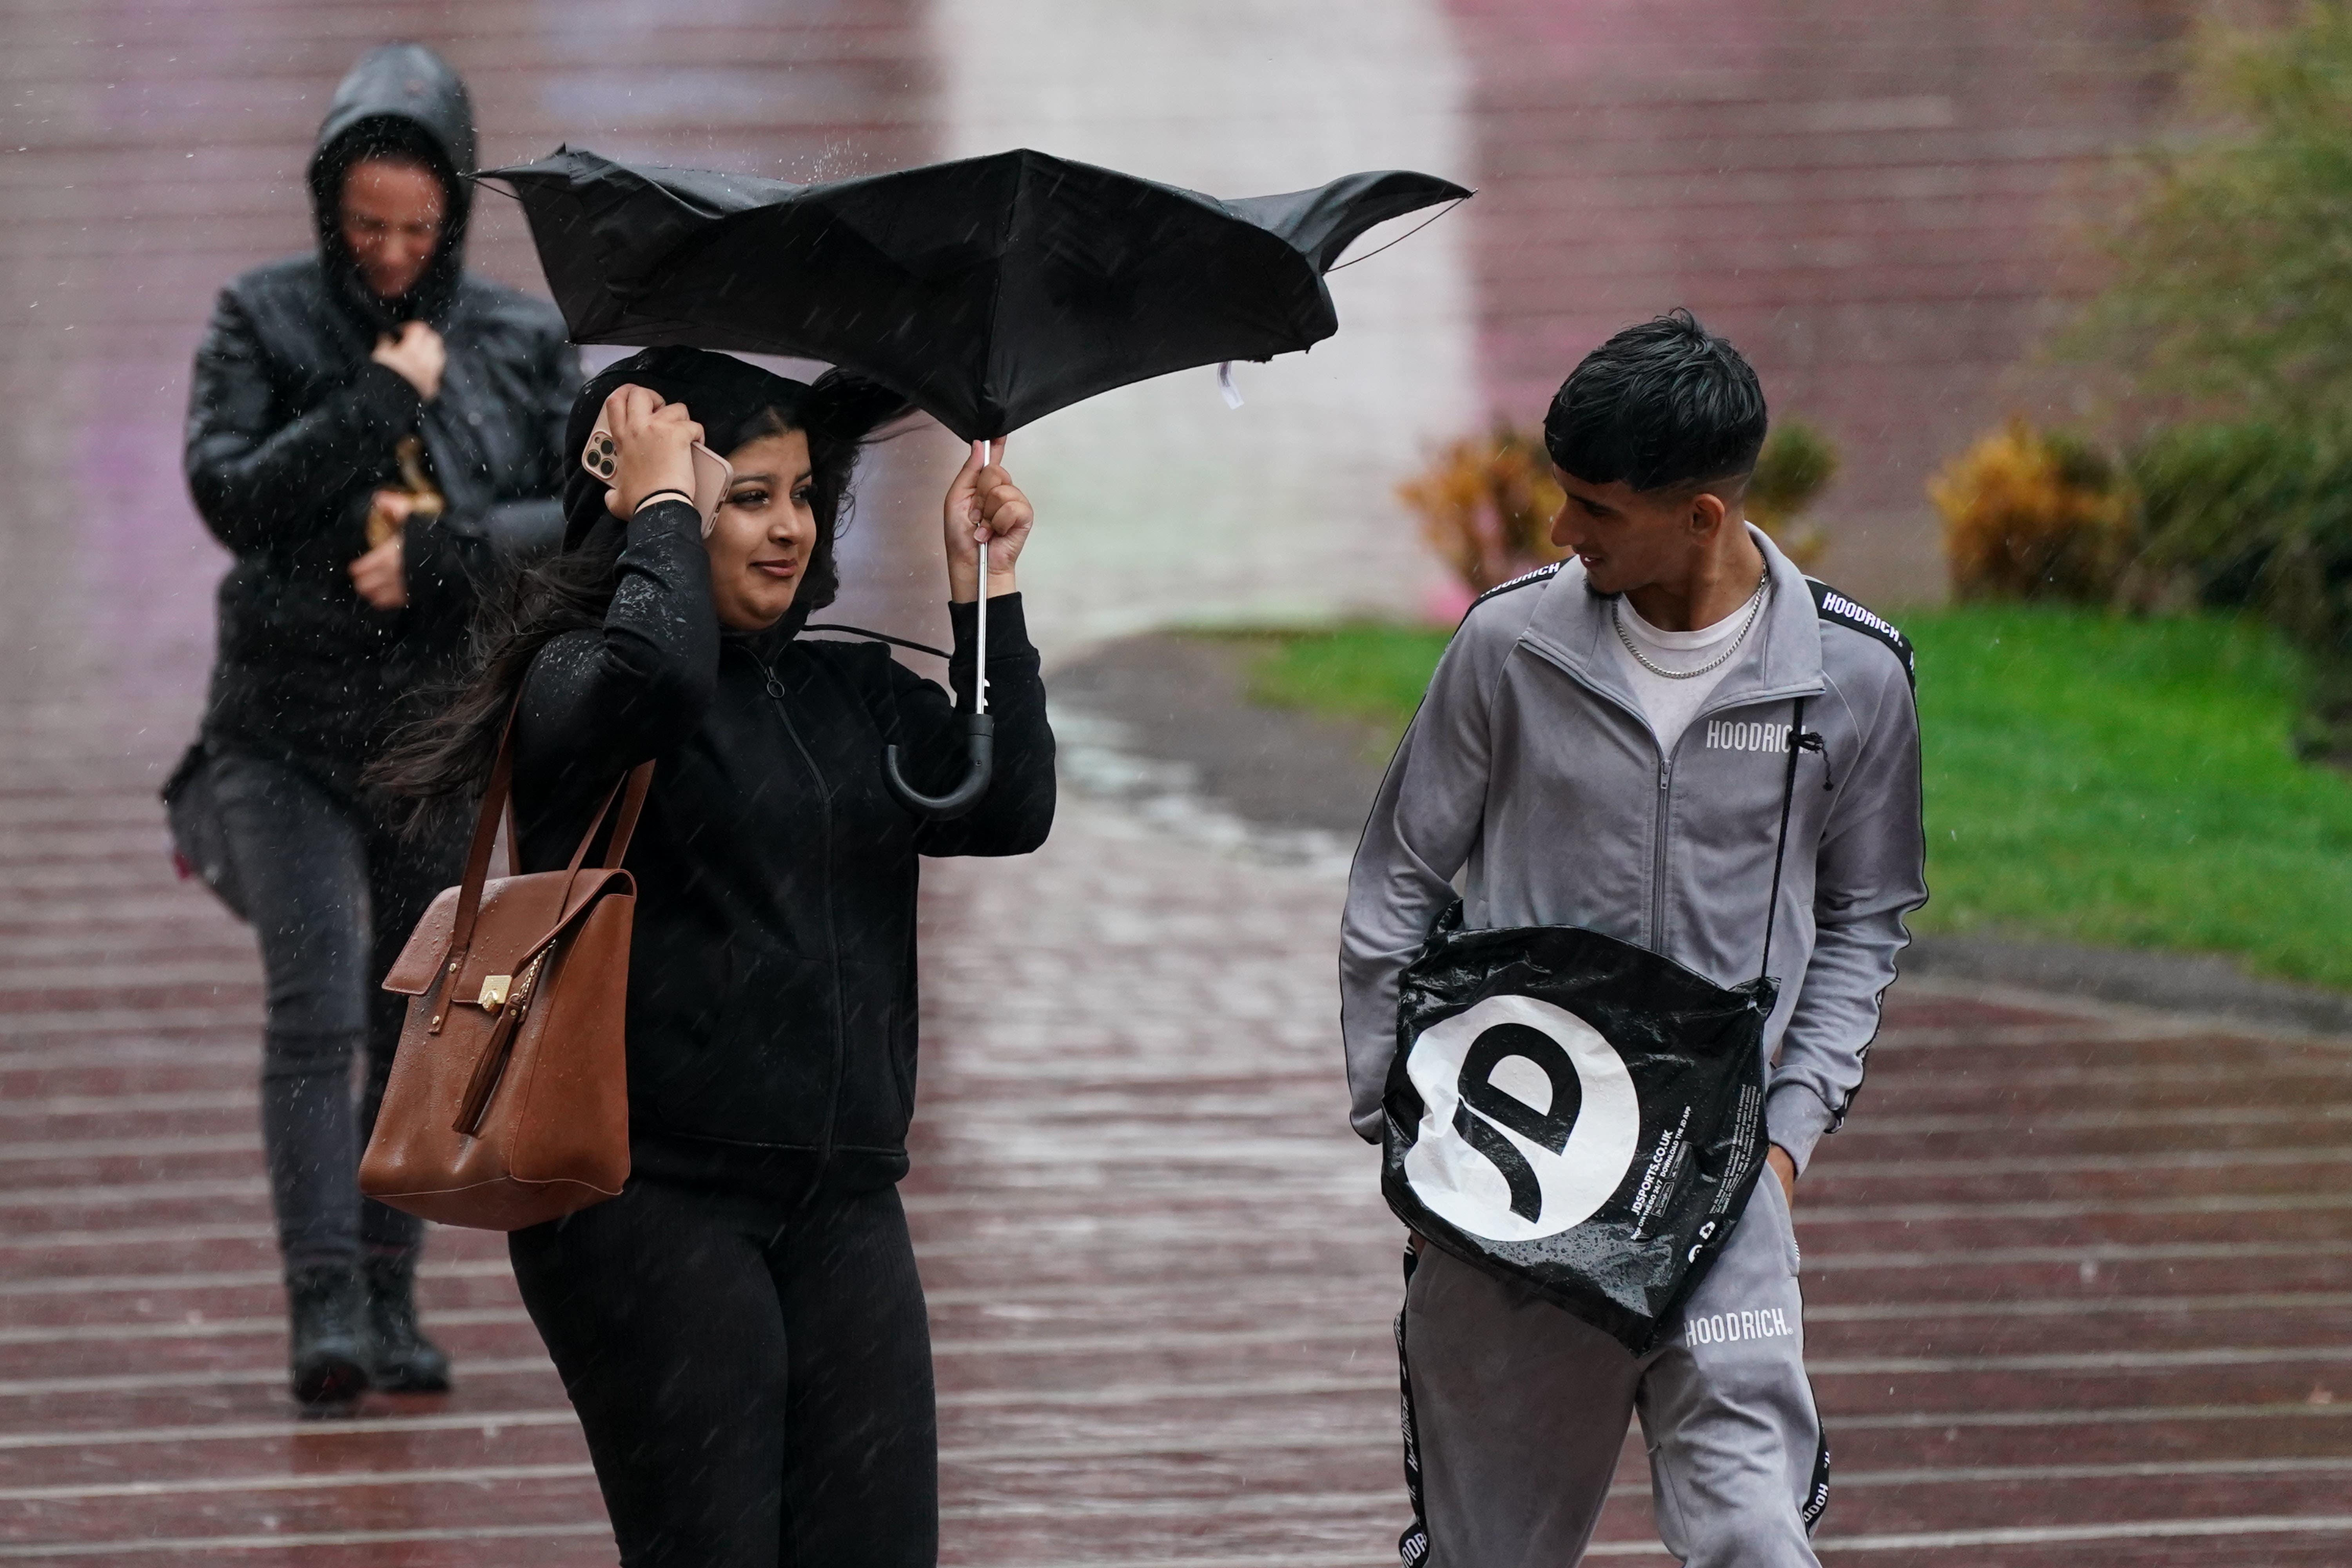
<point x="327" y="1309"/>
<point x="400" y="1359"/>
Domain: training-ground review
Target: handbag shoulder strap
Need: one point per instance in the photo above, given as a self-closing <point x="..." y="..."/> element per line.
<point x="497" y="797"/>
<point x="1832" y="608"/>
<point x="630" y="791"/>
<point x="633" y="803"/>
<point x="1780" y="847"/>
<point x="485" y="833"/>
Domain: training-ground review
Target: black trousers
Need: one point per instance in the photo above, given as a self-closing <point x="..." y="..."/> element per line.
<point x="333" y="892"/>
<point x="754" y="1377"/>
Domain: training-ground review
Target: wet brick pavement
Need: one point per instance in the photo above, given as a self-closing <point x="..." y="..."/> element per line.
<point x="2079" y="1281"/>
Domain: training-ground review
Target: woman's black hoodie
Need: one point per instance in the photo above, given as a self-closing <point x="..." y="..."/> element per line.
<point x="772" y="1016"/>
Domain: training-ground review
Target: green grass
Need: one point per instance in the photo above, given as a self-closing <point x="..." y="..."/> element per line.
<point x="1375" y="673"/>
<point x="2118" y="783"/>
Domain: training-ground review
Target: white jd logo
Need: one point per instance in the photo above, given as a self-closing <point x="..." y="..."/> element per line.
<point x="1529" y="1123"/>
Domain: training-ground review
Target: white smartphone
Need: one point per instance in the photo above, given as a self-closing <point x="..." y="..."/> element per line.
<point x="713" y="475"/>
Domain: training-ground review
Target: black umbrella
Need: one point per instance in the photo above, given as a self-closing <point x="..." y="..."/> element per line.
<point x="988" y="292"/>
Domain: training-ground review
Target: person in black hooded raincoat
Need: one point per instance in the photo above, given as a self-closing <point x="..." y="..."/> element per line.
<point x="330" y="391"/>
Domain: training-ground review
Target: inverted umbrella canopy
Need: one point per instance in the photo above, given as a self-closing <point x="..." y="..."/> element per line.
<point x="989" y="292"/>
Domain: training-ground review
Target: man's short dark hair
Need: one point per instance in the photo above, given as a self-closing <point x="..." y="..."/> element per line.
<point x="1663" y="403"/>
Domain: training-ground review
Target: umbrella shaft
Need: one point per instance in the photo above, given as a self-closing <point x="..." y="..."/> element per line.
<point x="979" y="641"/>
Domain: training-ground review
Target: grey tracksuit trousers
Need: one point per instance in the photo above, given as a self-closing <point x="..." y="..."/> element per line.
<point x="1520" y="1411"/>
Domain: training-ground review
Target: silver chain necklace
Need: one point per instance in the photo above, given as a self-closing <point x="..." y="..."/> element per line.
<point x="1755" y="606"/>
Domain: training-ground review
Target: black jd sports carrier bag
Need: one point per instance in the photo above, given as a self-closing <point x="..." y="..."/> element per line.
<point x="1579" y="1113"/>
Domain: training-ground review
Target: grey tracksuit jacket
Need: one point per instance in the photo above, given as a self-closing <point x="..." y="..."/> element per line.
<point x="1531" y="764"/>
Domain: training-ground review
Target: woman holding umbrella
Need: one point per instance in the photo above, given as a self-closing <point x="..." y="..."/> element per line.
<point x="742" y="1331"/>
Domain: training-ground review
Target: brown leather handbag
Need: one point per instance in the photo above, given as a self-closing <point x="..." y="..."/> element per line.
<point x="508" y="1103"/>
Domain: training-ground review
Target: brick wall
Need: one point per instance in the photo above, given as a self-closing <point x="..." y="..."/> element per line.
<point x="1882" y="204"/>
<point x="153" y="151"/>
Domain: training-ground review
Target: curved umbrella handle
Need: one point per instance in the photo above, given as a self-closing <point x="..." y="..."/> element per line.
<point x="979" y="725"/>
<point x="979" y="744"/>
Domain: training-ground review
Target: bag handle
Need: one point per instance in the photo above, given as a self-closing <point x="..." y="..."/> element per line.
<point x="485" y="833"/>
<point x="496" y="796"/>
<point x="632" y="789"/>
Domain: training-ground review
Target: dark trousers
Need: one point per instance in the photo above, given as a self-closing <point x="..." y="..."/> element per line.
<point x="754" y="1377"/>
<point x="333" y="892"/>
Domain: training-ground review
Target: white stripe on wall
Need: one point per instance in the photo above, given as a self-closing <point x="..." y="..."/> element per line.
<point x="1158" y="503"/>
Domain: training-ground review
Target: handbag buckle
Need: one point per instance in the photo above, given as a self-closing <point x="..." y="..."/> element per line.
<point x="494" y="991"/>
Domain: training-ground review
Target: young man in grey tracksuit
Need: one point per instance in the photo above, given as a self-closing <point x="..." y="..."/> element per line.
<point x="1606" y="744"/>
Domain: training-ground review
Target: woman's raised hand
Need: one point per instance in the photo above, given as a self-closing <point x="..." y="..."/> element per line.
<point x="985" y="502"/>
<point x="654" y="442"/>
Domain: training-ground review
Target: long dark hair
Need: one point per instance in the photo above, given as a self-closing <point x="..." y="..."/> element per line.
<point x="443" y="759"/>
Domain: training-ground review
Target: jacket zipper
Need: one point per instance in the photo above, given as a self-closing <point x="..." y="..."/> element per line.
<point x="832" y="937"/>
<point x="1658" y="862"/>
<point x="1665" y="778"/>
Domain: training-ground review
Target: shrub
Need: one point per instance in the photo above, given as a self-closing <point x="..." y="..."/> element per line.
<point x="2034" y="514"/>
<point x="2230" y="308"/>
<point x="2230" y="290"/>
<point x="2254" y="514"/>
<point x="1797" y="464"/>
<point x="1487" y="505"/>
<point x="2209" y="495"/>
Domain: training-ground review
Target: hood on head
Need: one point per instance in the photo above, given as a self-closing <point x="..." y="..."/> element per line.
<point x="399" y="98"/>
<point x="729" y="398"/>
<point x="725" y="394"/>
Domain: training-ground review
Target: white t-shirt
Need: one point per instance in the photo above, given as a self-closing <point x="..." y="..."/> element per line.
<point x="1671" y="705"/>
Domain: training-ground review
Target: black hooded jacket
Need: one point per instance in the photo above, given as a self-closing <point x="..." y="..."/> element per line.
<point x="772" y="1020"/>
<point x="291" y="428"/>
